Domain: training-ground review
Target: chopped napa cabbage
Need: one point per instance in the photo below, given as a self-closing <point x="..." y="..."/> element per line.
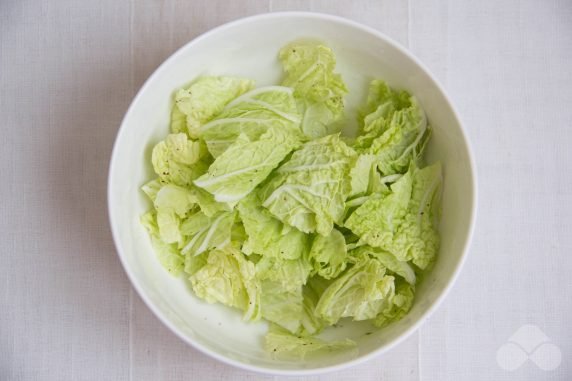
<point x="328" y="255"/>
<point x="360" y="293"/>
<point x="319" y="91"/>
<point x="245" y="164"/>
<point x="282" y="344"/>
<point x="394" y="129"/>
<point x="203" y="100"/>
<point x="252" y="114"/>
<point x="267" y="235"/>
<point x="263" y="206"/>
<point x="229" y="278"/>
<point x="308" y="191"/>
<point x="404" y="222"/>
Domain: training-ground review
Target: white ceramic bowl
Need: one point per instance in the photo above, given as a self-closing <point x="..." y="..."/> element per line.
<point x="249" y="47"/>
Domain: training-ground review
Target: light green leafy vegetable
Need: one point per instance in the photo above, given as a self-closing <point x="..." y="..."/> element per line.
<point x="397" y="306"/>
<point x="328" y="255"/>
<point x="268" y="236"/>
<point x="252" y="114"/>
<point x="194" y="263"/>
<point x="203" y="100"/>
<point x="282" y="306"/>
<point x="290" y="273"/>
<point x="310" y="323"/>
<point x="394" y="128"/>
<point x="172" y="203"/>
<point x="238" y="234"/>
<point x="208" y="205"/>
<point x="362" y="174"/>
<point x="388" y="260"/>
<point x="228" y="278"/>
<point x="245" y="164"/>
<point x="205" y="233"/>
<point x="263" y="206"/>
<point x="178" y="121"/>
<point x="152" y="188"/>
<point x="177" y="159"/>
<point x="178" y="199"/>
<point x="376" y="221"/>
<point x="309" y="69"/>
<point x="418" y="234"/>
<point x="404" y="222"/>
<point x="202" y="198"/>
<point x="168" y="255"/>
<point x="283" y="344"/>
<point x="282" y="282"/>
<point x="308" y="192"/>
<point x="360" y="293"/>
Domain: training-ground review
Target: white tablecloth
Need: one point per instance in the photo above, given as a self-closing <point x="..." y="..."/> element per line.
<point x="68" y="70"/>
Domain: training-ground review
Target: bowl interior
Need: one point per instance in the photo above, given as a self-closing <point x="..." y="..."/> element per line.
<point x="249" y="48"/>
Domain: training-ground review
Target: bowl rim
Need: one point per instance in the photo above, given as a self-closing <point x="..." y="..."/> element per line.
<point x="360" y="359"/>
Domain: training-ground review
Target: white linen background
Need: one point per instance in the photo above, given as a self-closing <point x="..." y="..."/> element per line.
<point x="68" y="70"/>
